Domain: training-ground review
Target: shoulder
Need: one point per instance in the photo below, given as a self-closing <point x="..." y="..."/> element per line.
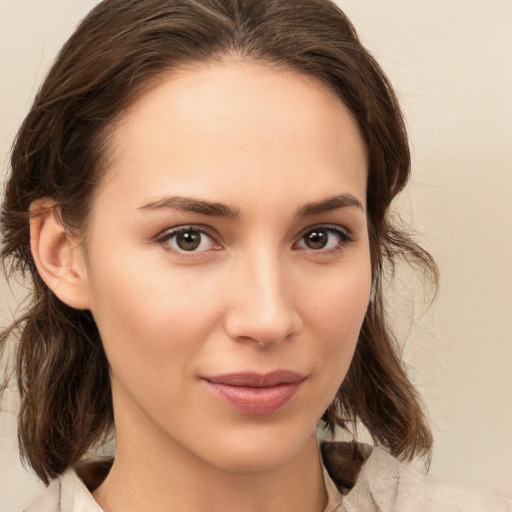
<point x="397" y="487"/>
<point x="382" y="484"/>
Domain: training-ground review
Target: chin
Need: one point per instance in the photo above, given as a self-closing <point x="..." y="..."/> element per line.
<point x="257" y="452"/>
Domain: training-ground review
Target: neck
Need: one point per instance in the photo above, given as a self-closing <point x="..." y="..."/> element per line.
<point x="160" y="480"/>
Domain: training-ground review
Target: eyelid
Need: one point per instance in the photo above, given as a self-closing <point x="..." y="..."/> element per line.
<point x="169" y="233"/>
<point x="346" y="236"/>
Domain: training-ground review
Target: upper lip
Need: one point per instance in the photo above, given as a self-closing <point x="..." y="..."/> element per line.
<point x="257" y="380"/>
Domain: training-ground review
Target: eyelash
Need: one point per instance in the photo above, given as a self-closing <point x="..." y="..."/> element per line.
<point x="343" y="235"/>
<point x="171" y="234"/>
<point x="344" y="239"/>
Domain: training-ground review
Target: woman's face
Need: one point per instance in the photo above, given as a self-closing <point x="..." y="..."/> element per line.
<point x="228" y="264"/>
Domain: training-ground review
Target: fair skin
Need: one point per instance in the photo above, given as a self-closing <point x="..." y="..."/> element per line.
<point x="275" y="278"/>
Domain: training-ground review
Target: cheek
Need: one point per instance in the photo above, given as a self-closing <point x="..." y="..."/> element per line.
<point x="340" y="302"/>
<point x="148" y="324"/>
<point x="336" y="317"/>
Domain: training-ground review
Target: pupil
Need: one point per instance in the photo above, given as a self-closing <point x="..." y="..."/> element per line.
<point x="316" y="240"/>
<point x="189" y="240"/>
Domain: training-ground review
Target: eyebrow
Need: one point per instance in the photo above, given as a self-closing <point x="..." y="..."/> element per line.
<point x="327" y="205"/>
<point x="190" y="204"/>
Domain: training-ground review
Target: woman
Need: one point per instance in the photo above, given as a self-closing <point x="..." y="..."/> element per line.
<point x="199" y="194"/>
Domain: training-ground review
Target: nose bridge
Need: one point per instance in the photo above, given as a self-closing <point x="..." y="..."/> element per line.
<point x="262" y="308"/>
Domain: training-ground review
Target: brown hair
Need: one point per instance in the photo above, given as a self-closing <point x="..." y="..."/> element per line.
<point x="115" y="54"/>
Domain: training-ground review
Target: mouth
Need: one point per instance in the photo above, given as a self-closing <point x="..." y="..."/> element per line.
<point x="254" y="393"/>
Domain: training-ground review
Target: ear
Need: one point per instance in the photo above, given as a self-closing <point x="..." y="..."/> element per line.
<point x="58" y="256"/>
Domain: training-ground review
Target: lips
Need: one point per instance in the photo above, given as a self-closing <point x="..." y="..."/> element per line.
<point x="254" y="393"/>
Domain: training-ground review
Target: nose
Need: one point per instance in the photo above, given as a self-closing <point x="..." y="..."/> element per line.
<point x="261" y="302"/>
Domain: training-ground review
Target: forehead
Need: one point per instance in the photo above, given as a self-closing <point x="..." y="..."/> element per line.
<point x="236" y="123"/>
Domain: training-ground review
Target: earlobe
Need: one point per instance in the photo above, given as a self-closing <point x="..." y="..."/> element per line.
<point x="57" y="255"/>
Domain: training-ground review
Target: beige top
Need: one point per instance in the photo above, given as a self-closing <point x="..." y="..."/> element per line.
<point x="381" y="485"/>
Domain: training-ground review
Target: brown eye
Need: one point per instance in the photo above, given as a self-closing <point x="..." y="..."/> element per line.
<point x="188" y="240"/>
<point x="324" y="238"/>
<point x="316" y="239"/>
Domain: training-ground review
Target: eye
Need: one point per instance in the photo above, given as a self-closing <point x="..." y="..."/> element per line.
<point x="323" y="238"/>
<point x="188" y="239"/>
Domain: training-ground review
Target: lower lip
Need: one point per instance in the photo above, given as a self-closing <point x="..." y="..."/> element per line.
<point x="257" y="401"/>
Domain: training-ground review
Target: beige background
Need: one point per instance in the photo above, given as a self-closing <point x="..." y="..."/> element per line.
<point x="451" y="63"/>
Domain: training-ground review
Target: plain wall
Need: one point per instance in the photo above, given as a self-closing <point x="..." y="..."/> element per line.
<point x="451" y="64"/>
